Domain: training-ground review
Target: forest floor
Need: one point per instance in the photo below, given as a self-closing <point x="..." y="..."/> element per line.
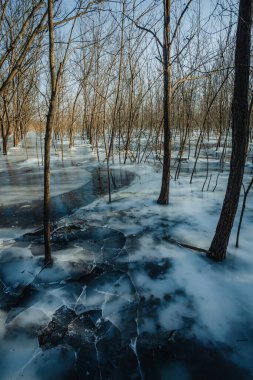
<point x="123" y="299"/>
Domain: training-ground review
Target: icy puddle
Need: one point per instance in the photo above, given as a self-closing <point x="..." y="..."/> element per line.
<point x="30" y="214"/>
<point x="76" y="180"/>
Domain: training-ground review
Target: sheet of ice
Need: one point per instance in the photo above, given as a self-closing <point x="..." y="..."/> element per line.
<point x="147" y="286"/>
<point x="21" y="172"/>
<point x="212" y="302"/>
<point x="8" y="235"/>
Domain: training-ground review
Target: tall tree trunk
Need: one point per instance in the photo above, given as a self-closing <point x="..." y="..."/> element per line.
<point x="5" y="144"/>
<point x="240" y="133"/>
<point x="4" y="137"/>
<point x="48" y="137"/>
<point x="167" y="98"/>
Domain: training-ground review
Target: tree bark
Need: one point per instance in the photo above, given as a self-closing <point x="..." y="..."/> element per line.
<point x="167" y="99"/>
<point x="48" y="137"/>
<point x="5" y="144"/>
<point x="240" y="133"/>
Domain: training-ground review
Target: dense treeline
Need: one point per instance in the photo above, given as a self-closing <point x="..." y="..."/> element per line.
<point x="111" y="85"/>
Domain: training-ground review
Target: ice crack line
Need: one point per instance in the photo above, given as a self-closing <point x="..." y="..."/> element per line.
<point x="97" y="355"/>
<point x="20" y="371"/>
<point x="133" y="344"/>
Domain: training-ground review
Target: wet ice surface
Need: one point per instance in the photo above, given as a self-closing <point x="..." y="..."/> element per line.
<point x="123" y="300"/>
<point x="75" y="181"/>
<point x="30" y="214"/>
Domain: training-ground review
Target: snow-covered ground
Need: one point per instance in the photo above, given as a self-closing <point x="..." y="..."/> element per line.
<point x="123" y="299"/>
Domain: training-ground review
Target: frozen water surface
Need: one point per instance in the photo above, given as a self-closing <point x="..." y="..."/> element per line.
<point x="123" y="299"/>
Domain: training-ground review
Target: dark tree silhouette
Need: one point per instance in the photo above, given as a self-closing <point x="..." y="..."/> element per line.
<point x="164" y="193"/>
<point x="48" y="135"/>
<point x="240" y="133"/>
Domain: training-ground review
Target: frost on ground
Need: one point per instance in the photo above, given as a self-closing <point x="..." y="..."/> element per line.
<point x="123" y="299"/>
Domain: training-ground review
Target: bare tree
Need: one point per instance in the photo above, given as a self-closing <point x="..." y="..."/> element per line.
<point x="240" y="133"/>
<point x="167" y="104"/>
<point x="48" y="136"/>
